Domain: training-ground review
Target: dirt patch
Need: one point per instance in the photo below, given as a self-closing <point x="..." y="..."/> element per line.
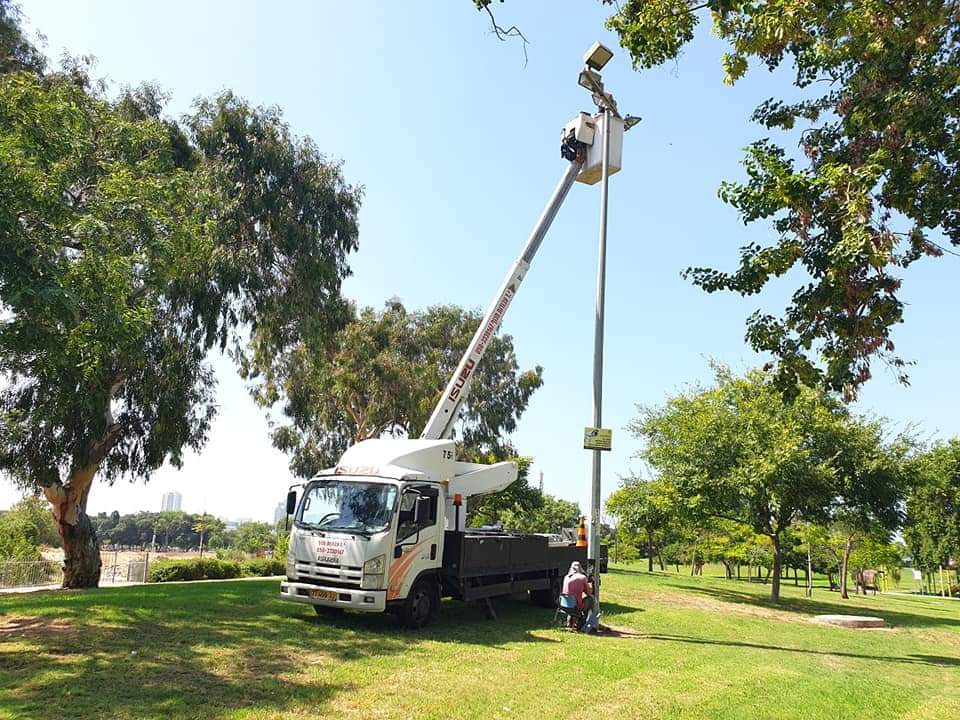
<point x="22" y="627"/>
<point x="612" y="631"/>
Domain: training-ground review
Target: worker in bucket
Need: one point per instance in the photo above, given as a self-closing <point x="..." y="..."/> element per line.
<point x="576" y="585"/>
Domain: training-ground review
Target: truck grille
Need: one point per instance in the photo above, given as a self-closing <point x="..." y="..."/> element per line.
<point x="340" y="576"/>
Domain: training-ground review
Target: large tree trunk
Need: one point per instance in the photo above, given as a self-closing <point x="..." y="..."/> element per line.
<point x="649" y="554"/>
<point x="81" y="549"/>
<point x="775" y="573"/>
<point x="843" y="567"/>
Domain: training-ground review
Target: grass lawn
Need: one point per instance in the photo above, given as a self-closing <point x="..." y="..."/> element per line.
<point x="689" y="648"/>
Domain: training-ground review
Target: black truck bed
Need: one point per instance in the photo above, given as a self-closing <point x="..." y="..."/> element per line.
<point x="485" y="564"/>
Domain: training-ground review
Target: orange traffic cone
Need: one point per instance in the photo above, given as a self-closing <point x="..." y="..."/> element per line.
<point x="582" y="532"/>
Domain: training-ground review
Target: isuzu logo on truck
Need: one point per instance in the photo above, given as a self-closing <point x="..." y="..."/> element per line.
<point x="461" y="380"/>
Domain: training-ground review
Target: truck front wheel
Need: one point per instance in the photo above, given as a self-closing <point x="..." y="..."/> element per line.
<point x="421" y="604"/>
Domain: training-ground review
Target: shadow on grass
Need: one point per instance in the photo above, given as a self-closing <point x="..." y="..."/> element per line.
<point x="816" y="607"/>
<point x="456" y="622"/>
<point x="206" y="650"/>
<point x="913" y="659"/>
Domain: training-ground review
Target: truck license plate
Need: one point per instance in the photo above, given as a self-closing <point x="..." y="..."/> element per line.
<point x="323" y="595"/>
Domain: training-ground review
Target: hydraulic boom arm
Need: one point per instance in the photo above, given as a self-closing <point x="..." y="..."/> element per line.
<point x="444" y="417"/>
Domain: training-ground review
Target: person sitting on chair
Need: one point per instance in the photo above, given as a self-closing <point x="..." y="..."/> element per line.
<point x="576" y="585"/>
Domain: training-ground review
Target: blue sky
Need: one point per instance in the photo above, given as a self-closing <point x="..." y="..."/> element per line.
<point x="455" y="141"/>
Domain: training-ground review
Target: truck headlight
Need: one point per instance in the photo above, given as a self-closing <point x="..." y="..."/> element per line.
<point x="374" y="566"/>
<point x="371" y="582"/>
<point x="373" y="573"/>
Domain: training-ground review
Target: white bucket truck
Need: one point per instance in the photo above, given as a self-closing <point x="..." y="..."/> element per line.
<point x="385" y="529"/>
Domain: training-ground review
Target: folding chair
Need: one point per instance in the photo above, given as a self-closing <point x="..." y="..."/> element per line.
<point x="567" y="613"/>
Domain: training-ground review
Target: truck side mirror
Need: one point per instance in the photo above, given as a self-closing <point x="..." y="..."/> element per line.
<point x="291" y="502"/>
<point x="423" y="511"/>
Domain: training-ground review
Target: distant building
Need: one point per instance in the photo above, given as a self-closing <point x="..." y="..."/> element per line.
<point x="171" y="501"/>
<point x="280" y="513"/>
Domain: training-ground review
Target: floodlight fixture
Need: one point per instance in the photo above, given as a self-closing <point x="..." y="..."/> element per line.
<point x="590" y="80"/>
<point x="597" y="56"/>
<point x="629" y="121"/>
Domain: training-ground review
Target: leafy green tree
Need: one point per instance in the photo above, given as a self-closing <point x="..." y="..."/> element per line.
<point x="551" y="515"/>
<point x="34" y="517"/>
<point x="166" y="522"/>
<point x="517" y="500"/>
<point x="381" y="374"/>
<point x="207" y="525"/>
<point x="932" y="527"/>
<point x="738" y="451"/>
<point x="25" y="528"/>
<point x="647" y="509"/>
<point x="17" y="53"/>
<point x="730" y="544"/>
<point x="254" y="537"/>
<point x="872" y="474"/>
<point x="876" y="185"/>
<point x="130" y="247"/>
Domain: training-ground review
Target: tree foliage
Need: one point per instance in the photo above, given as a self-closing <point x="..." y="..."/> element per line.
<point x="933" y="508"/>
<point x="649" y="512"/>
<point x="25" y="528"/>
<point x="878" y="183"/>
<point x="549" y="515"/>
<point x="739" y="451"/>
<point x="17" y="53"/>
<point x="381" y="374"/>
<point x="254" y="537"/>
<point x="131" y="245"/>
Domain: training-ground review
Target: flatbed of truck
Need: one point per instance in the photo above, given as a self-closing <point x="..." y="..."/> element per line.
<point x="483" y="564"/>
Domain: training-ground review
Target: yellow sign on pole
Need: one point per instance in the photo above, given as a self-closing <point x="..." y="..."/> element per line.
<point x="597" y="438"/>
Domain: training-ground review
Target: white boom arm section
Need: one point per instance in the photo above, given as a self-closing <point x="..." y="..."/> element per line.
<point x="444" y="417"/>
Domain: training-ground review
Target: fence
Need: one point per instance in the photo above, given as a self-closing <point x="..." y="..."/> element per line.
<point x="24" y="573"/>
<point x="40" y="573"/>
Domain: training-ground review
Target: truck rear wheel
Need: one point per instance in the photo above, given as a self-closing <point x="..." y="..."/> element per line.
<point x="548" y="597"/>
<point x="421" y="604"/>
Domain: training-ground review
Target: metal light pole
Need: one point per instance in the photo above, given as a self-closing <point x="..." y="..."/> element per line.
<point x="594" y="544"/>
<point x="594" y="61"/>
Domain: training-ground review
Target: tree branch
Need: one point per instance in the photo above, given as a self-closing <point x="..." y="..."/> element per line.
<point x="502" y="34"/>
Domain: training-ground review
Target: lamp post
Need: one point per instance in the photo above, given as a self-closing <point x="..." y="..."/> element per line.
<point x="594" y="61"/>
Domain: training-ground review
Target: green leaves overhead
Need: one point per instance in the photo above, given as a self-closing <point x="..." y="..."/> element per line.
<point x="877" y="121"/>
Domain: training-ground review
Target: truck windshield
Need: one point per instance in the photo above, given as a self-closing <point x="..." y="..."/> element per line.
<point x="360" y="507"/>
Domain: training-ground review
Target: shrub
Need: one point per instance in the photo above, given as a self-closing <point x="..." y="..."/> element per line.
<point x="193" y="569"/>
<point x="231" y="554"/>
<point x="282" y="546"/>
<point x="263" y="567"/>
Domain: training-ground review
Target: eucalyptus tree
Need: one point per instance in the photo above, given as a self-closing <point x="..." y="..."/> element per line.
<point x="132" y="245"/>
<point x="381" y="374"/>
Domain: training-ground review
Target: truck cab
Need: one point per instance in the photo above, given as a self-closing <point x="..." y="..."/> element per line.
<point x="369" y="534"/>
